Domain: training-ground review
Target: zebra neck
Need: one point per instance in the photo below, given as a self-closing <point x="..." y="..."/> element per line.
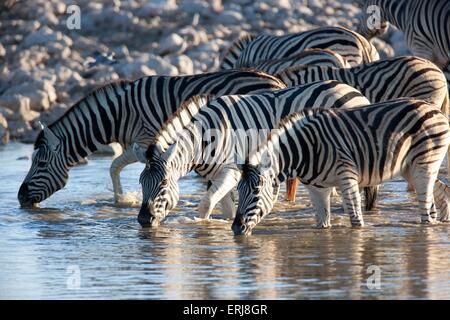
<point x="91" y="123"/>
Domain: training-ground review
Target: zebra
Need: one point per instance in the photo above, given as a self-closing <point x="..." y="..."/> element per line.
<point x="426" y="25"/>
<point x="320" y="57"/>
<point x="126" y="112"/>
<point x="349" y="149"/>
<point x="250" y="49"/>
<point x="209" y="136"/>
<point x="413" y="77"/>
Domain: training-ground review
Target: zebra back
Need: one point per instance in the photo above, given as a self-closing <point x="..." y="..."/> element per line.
<point x="379" y="139"/>
<point x="322" y="57"/>
<point x="349" y="44"/>
<point x="232" y="54"/>
<point x="414" y="77"/>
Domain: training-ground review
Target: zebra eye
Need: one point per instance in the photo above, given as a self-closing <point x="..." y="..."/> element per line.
<point x="164" y="182"/>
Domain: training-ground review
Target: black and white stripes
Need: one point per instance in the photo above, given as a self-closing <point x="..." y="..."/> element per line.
<point x="348" y="149"/>
<point x="211" y="139"/>
<point x="350" y="45"/>
<point x="125" y="112"/>
<point x="426" y="25"/>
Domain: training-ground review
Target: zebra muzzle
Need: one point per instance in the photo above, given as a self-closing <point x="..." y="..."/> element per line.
<point x="240" y="228"/>
<point x="146" y="219"/>
<point x="24" y="199"/>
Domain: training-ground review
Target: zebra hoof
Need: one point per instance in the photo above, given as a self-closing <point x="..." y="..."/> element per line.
<point x="357" y="224"/>
<point x="322" y="225"/>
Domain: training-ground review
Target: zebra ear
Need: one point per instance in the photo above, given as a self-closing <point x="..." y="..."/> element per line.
<point x="170" y="152"/>
<point x="52" y="140"/>
<point x="139" y="153"/>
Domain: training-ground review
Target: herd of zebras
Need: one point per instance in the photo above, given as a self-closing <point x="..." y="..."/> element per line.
<point x="336" y="115"/>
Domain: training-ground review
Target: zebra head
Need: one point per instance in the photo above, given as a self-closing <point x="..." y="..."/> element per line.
<point x="256" y="198"/>
<point x="49" y="172"/>
<point x="159" y="184"/>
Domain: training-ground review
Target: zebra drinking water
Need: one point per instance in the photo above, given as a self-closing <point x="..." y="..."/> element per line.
<point x="349" y="149"/>
<point x="250" y="50"/>
<point x="211" y="138"/>
<point x="126" y="112"/>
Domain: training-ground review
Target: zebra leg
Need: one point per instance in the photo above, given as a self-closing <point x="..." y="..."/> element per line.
<point x="320" y="197"/>
<point x="441" y="194"/>
<point x="222" y="184"/>
<point x="228" y="206"/>
<point x="370" y="197"/>
<point x="126" y="158"/>
<point x="424" y="184"/>
<point x="351" y="198"/>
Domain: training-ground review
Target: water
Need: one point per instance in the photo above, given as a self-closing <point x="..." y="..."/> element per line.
<point x="79" y="245"/>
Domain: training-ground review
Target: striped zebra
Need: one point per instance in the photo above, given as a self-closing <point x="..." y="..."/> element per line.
<point x="426" y="25"/>
<point x="126" y="112"/>
<point x="413" y="78"/>
<point x="212" y="138"/>
<point x="348" y="149"/>
<point x="249" y="50"/>
<point x="320" y="57"/>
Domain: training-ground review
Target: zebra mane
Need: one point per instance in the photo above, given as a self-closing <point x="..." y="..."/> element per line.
<point x="286" y="72"/>
<point x="100" y="90"/>
<point x="292" y="70"/>
<point x="239" y="44"/>
<point x="183" y="110"/>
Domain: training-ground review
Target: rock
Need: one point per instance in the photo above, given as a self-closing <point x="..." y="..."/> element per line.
<point x="21" y="130"/>
<point x="161" y="66"/>
<point x="230" y="17"/>
<point x="2" y="51"/>
<point x="156" y="8"/>
<point x="54" y="114"/>
<point x="172" y="44"/>
<point x="7" y="113"/>
<point x="41" y="94"/>
<point x="4" y="132"/>
<point x="183" y="63"/>
<point x="41" y="37"/>
<point x="134" y="70"/>
<point x="20" y="105"/>
<point x="193" y="36"/>
<point x="62" y="73"/>
<point x="121" y="52"/>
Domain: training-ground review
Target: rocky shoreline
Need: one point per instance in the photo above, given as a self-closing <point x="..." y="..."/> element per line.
<point x="45" y="67"/>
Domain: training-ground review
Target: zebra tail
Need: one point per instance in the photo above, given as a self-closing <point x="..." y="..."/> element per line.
<point x="371" y="197"/>
<point x="291" y="189"/>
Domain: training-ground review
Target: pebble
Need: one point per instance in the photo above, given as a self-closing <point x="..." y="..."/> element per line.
<point x="172" y="44"/>
<point x="4" y="132"/>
